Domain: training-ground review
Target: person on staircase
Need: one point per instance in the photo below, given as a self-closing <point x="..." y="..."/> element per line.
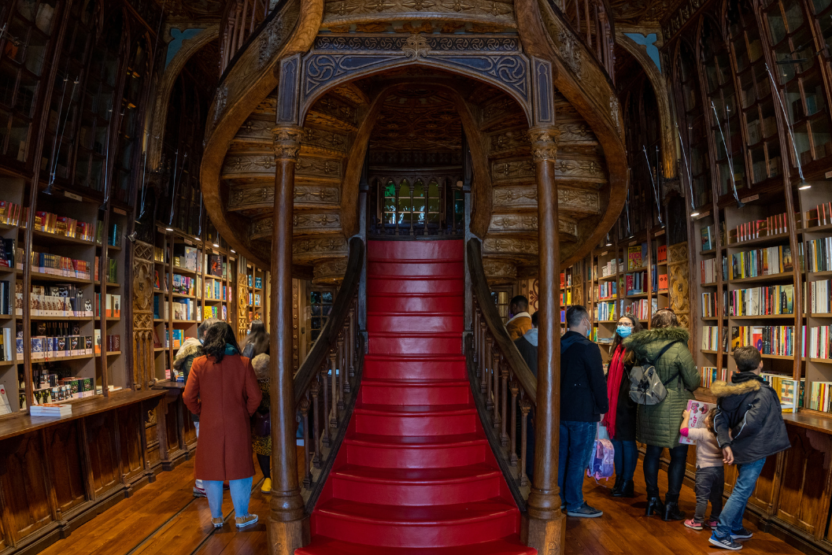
<point x="222" y="389"/>
<point x="620" y="419"/>
<point x="190" y="350"/>
<point x="520" y="320"/>
<point x="749" y="428"/>
<point x="665" y="347"/>
<point x="527" y="345"/>
<point x="257" y="341"/>
<point x="583" y="399"/>
<point x="261" y="422"/>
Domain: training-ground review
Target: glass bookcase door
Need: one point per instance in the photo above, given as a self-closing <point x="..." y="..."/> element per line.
<point x="692" y="125"/>
<point x="129" y="137"/>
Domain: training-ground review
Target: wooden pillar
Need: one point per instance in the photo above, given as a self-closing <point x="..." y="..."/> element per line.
<point x="287" y="507"/>
<point x="546" y="523"/>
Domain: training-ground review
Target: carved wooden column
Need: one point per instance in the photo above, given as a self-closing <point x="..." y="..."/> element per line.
<point x="287" y="508"/>
<point x="546" y="527"/>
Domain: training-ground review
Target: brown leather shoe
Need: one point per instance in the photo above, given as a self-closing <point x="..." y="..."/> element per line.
<point x="218" y="522"/>
<point x="245" y="521"/>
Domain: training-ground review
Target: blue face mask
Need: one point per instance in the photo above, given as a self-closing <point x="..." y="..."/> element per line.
<point x="624" y="331"/>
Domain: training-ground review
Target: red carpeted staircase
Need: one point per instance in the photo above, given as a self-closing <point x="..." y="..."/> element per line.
<point x="415" y="474"/>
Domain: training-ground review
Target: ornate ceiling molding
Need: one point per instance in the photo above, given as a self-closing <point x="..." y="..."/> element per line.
<point x="572" y="200"/>
<point x="329" y="272"/>
<point x="303" y="223"/>
<point x="527" y="223"/>
<point x="312" y="249"/>
<point x="344" y="12"/>
<point x="306" y="196"/>
<point x="499" y="271"/>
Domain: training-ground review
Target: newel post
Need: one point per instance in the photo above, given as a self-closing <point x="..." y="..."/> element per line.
<point x="546" y="525"/>
<point x="285" y="526"/>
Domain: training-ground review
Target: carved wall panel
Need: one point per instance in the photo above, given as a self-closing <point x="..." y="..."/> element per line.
<point x="506" y="143"/>
<point x="805" y="469"/>
<point x="578" y="201"/>
<point x="341" y="12"/>
<point x="330" y="272"/>
<point x="679" y="282"/>
<point x="499" y="271"/>
<point x="510" y="246"/>
<point x="143" y="355"/>
<point x="101" y="444"/>
<point x="527" y="223"/>
<point x="576" y="168"/>
<point x="24" y="486"/>
<point x="262" y="166"/>
<point x="308" y="168"/>
<point x="303" y="223"/>
<point x="307" y="250"/>
<point x="306" y="196"/>
<point x="130" y="441"/>
<point x="65" y="464"/>
<point x="513" y="171"/>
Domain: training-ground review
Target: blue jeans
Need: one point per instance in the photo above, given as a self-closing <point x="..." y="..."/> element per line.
<point x="626" y="459"/>
<point x="731" y="518"/>
<point x="576" y="441"/>
<point x="240" y="494"/>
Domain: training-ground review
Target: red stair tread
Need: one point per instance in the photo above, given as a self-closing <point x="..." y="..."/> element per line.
<point x="417" y="475"/>
<point x="415" y="441"/>
<point x="326" y="546"/>
<point x="416" y="410"/>
<point x="417" y="516"/>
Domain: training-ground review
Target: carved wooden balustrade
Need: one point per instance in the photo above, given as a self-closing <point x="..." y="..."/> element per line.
<point x="593" y="22"/>
<point x="241" y="19"/>
<point x="326" y="383"/>
<point x="504" y="387"/>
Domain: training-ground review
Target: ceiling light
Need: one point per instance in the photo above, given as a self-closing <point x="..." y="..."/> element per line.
<point x="232" y="250"/>
<point x="216" y="246"/>
<point x="168" y="229"/>
<point x="197" y="238"/>
<point x="804" y="187"/>
<point x="609" y="244"/>
<point x="694" y="214"/>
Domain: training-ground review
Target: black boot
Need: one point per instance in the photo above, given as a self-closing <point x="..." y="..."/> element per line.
<point x="655" y="506"/>
<point x="628" y="489"/>
<point x="672" y="512"/>
<point x="616" y="489"/>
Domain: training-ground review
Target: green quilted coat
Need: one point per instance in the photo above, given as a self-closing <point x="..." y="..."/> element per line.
<point x="659" y="424"/>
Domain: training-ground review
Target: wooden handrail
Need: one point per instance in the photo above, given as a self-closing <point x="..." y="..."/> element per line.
<point x="335" y="322"/>
<point x="603" y="49"/>
<point x="233" y="52"/>
<point x="482" y="293"/>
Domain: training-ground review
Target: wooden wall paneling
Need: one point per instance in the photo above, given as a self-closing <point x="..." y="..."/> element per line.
<point x="801" y="500"/>
<point x="66" y="465"/>
<point x="50" y="478"/>
<point x="162" y="434"/>
<point x="190" y="429"/>
<point x="24" y="485"/>
<point x="766" y="490"/>
<point x="4" y="525"/>
<point x="153" y="456"/>
<point x="130" y="442"/>
<point x="102" y="454"/>
<point x="172" y="429"/>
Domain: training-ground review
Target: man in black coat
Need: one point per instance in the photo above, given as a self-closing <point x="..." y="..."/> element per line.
<point x="583" y="399"/>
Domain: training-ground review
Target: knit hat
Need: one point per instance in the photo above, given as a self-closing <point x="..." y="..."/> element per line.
<point x="261" y="367"/>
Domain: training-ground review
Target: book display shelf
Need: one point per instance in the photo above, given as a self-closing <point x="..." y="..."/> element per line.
<point x="252" y="296"/>
<point x="74" y="318"/>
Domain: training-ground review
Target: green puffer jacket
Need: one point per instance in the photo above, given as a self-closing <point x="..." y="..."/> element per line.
<point x="659" y="424"/>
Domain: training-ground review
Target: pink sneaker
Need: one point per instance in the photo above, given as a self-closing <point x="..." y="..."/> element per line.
<point x="712" y="524"/>
<point x="693" y="525"/>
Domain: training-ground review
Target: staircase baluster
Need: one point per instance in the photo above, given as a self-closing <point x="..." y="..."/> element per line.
<point x="304" y="413"/>
<point x="525" y="406"/>
<point x="489" y="369"/>
<point x="504" y="392"/>
<point x="334" y="419"/>
<point x="242" y="36"/>
<point x="514" y="391"/>
<point x="483" y="350"/>
<point x="325" y="419"/>
<point x="351" y="337"/>
<point x="316" y="419"/>
<point x="475" y="340"/>
<point x="495" y="377"/>
<point x="341" y="372"/>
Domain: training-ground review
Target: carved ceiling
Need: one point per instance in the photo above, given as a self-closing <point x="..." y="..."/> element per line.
<point x="640" y="13"/>
<point x="420" y="119"/>
<point x="193" y="10"/>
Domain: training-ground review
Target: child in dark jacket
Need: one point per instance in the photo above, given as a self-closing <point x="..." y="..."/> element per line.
<point x="749" y="428"/>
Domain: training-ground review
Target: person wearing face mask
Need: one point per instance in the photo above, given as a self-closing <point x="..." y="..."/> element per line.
<point x="583" y="399"/>
<point x="190" y="350"/>
<point x="620" y="420"/>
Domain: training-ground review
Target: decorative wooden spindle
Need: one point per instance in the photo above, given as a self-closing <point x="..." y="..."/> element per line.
<point x="474" y="344"/>
<point x="304" y="415"/>
<point x="351" y="337"/>
<point x="513" y="448"/>
<point x="483" y="350"/>
<point x="495" y="378"/>
<point x="491" y="353"/>
<point x="333" y="421"/>
<point x="504" y="403"/>
<point x="314" y="389"/>
<point x="342" y="374"/>
<point x="325" y="416"/>
<point x="525" y="407"/>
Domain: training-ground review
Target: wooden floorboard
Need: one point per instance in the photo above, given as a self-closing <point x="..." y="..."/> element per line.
<point x="164" y="518"/>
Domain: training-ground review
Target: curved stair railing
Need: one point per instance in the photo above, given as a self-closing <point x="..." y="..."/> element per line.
<point x="593" y="23"/>
<point x="326" y="385"/>
<point x="504" y="388"/>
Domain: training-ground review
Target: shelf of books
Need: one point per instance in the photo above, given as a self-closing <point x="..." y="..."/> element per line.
<point x="253" y="295"/>
<point x="748" y="288"/>
<point x="68" y="301"/>
<point x="626" y="277"/>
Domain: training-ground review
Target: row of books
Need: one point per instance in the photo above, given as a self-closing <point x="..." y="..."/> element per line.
<point x="254" y="299"/>
<point x="9" y="212"/>
<point x="820" y="342"/>
<point x="62" y="346"/>
<point x="710" y="338"/>
<point x="610" y="268"/>
<point x="565" y="280"/>
<point x="641" y="309"/>
<point x="773" y="225"/>
<point x="819" y="255"/>
<point x="761" y="301"/>
<point x="215" y="290"/>
<point x="182" y="309"/>
<point x="605" y="311"/>
<point x="183" y="285"/>
<point x="787" y="390"/>
<point x="761" y="262"/>
<point x="188" y="260"/>
<point x="708" y="269"/>
<point x="64" y="226"/>
<point x="769" y="340"/>
<point x="6" y="297"/>
<point x="820" y="215"/>
<point x="112" y="270"/>
<point x="607" y="290"/>
<point x="7" y="253"/>
<point x="821" y="396"/>
<point x="821" y="292"/>
<point x="7" y="347"/>
<point x="709" y="303"/>
<point x="59" y="300"/>
<point x="220" y="312"/>
<point x="710" y="374"/>
<point x="565" y="297"/>
<point x="178" y="338"/>
<point x="57" y="265"/>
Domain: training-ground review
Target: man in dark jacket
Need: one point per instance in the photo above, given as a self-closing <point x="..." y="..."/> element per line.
<point x="749" y="428"/>
<point x="583" y="399"/>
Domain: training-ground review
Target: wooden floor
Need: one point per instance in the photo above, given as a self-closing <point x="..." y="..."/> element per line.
<point x="164" y="518"/>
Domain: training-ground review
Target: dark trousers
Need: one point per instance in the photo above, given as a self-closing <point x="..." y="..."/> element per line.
<point x="710" y="482"/>
<point x="576" y="442"/>
<point x="675" y="472"/>
<point x="265" y="465"/>
<point x="626" y="459"/>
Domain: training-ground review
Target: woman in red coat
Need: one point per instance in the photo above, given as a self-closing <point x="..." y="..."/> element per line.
<point x="222" y="389"/>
